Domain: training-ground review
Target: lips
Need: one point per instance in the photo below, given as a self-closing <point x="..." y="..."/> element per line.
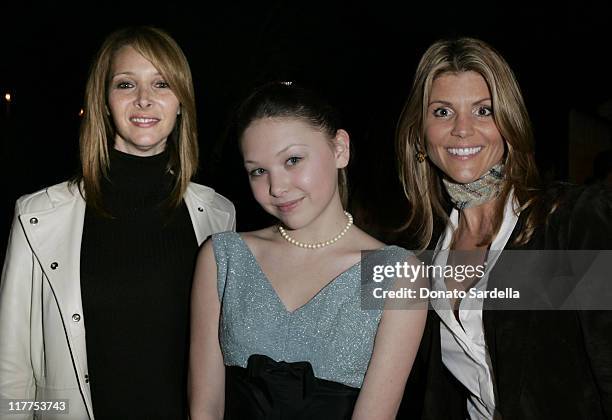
<point x="142" y="121"/>
<point x="288" y="206"/>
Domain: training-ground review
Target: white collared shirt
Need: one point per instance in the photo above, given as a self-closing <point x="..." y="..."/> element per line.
<point x="464" y="350"/>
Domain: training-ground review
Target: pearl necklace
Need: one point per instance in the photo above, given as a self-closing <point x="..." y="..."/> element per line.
<point x="292" y="241"/>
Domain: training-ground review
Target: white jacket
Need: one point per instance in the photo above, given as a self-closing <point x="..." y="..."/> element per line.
<point x="42" y="334"/>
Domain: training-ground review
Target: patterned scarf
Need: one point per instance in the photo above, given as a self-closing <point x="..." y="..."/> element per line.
<point x="477" y="192"/>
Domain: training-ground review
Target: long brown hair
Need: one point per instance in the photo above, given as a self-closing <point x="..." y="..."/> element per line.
<point x="421" y="180"/>
<point x="97" y="129"/>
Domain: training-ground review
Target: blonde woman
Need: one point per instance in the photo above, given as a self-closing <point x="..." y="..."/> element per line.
<point x="465" y="141"/>
<point x="94" y="299"/>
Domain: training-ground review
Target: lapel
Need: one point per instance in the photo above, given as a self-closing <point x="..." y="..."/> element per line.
<point x="506" y="333"/>
<point x="55" y="237"/>
<point x="54" y="234"/>
<point x="440" y="257"/>
<point x="205" y="219"/>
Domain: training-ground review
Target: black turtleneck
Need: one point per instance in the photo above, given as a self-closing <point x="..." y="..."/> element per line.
<point x="136" y="271"/>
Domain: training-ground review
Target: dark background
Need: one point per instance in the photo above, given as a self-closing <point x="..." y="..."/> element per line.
<point x="361" y="57"/>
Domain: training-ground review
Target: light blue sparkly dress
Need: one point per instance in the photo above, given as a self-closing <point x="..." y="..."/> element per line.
<point x="331" y="331"/>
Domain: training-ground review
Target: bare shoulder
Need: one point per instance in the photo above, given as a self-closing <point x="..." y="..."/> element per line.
<point x="258" y="239"/>
<point x="265" y="234"/>
<point x="362" y="241"/>
<point x="349" y="250"/>
<point x="365" y="242"/>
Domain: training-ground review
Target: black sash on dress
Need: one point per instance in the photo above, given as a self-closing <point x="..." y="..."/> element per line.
<point x="270" y="390"/>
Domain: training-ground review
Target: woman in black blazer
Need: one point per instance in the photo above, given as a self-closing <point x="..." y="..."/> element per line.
<point x="465" y="141"/>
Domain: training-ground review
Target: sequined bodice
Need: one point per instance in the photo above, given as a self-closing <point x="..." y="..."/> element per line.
<point x="330" y="331"/>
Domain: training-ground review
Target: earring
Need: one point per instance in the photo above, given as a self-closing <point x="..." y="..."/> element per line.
<point x="420" y="156"/>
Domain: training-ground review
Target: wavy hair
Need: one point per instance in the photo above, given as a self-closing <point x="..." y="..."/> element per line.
<point x="97" y="129"/>
<point x="422" y="181"/>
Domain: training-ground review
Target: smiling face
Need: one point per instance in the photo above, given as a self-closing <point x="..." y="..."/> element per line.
<point x="461" y="136"/>
<point x="293" y="168"/>
<point x="142" y="105"/>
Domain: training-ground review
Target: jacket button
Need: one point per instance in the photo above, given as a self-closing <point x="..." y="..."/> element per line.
<point x="33" y="220"/>
<point x="54" y="265"/>
<point x="86" y="378"/>
<point x="200" y="209"/>
<point x="76" y="317"/>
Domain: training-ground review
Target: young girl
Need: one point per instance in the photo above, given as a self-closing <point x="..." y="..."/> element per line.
<point x="278" y="330"/>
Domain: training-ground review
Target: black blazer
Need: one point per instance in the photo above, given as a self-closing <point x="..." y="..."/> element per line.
<point x="546" y="364"/>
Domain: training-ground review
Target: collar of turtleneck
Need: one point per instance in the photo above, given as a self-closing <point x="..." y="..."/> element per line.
<point x="136" y="182"/>
<point x="138" y="172"/>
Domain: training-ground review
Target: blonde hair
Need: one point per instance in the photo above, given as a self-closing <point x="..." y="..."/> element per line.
<point x="421" y="180"/>
<point x="97" y="130"/>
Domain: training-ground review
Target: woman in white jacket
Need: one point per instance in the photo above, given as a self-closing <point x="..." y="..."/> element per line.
<point x="112" y="250"/>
